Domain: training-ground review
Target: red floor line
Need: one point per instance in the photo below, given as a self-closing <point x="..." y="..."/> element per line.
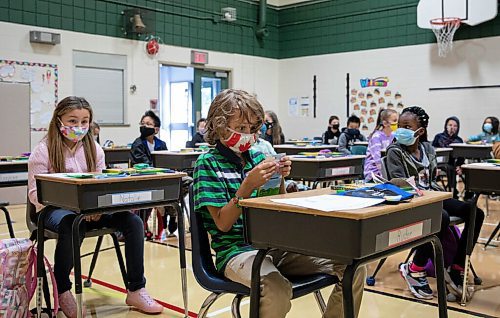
<point x="123" y="290"/>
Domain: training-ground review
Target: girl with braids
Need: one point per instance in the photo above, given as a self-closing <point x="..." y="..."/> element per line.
<point x="413" y="156"/>
<point x="380" y="139"/>
<point x="70" y="147"/>
<point x="273" y="133"/>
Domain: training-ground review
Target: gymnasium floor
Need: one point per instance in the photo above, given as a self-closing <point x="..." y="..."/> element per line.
<point x="388" y="298"/>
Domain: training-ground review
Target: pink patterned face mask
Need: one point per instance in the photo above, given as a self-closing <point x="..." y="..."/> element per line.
<point x="73" y="133"/>
<point x="240" y="142"/>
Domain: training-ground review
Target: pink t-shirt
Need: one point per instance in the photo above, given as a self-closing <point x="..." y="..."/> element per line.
<point x="75" y="162"/>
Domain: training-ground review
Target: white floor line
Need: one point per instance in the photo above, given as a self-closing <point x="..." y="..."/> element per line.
<point x="227" y="309"/>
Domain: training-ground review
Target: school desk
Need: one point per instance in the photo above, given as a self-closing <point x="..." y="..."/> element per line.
<point x="13" y="173"/>
<point x="176" y="160"/>
<point x="116" y="155"/>
<point x="295" y="150"/>
<point x="109" y="195"/>
<point x="480" y="178"/>
<point x="471" y="151"/>
<point x="319" y="169"/>
<point x="353" y="238"/>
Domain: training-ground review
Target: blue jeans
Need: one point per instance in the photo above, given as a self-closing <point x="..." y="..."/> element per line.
<point x="61" y="221"/>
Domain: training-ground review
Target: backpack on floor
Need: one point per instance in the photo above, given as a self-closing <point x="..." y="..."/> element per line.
<point x="18" y="278"/>
<point x="450" y="247"/>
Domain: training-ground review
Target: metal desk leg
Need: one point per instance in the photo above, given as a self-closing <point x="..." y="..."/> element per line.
<point x="347" y="296"/>
<point x="492" y="236"/>
<point x="469" y="246"/>
<point x="77" y="264"/>
<point x="255" y="286"/>
<point x="182" y="255"/>
<point x="39" y="261"/>
<point x="439" y="268"/>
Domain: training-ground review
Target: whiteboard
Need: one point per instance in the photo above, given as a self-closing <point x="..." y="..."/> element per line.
<point x="15" y="122"/>
<point x="103" y="89"/>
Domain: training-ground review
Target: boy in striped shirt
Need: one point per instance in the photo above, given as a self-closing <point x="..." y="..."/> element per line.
<point x="232" y="171"/>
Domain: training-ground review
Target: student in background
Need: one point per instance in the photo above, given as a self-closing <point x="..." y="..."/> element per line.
<point x="350" y="135"/>
<point x="274" y="133"/>
<point x="413" y="156"/>
<point x="231" y="172"/>
<point x="489" y="133"/>
<point x="332" y="134"/>
<point x="380" y="139"/>
<point x="198" y="137"/>
<point x="443" y="140"/>
<point x="68" y="147"/>
<point x="140" y="152"/>
<point x="263" y="145"/>
<point x="95" y="129"/>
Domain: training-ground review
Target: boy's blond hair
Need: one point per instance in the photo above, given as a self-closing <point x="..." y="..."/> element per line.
<point x="225" y="105"/>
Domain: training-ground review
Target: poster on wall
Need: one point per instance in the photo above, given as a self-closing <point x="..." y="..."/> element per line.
<point x="299" y="107"/>
<point x="43" y="79"/>
<point x="368" y="96"/>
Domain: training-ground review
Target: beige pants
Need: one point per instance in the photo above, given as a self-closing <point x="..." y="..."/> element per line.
<point x="276" y="290"/>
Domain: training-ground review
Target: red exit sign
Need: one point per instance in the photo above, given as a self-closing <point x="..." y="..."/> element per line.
<point x="198" y="57"/>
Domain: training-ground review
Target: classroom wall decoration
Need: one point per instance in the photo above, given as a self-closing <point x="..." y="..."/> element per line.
<point x="370" y="97"/>
<point x="43" y="79"/>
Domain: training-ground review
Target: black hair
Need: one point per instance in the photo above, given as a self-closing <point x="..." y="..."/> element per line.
<point x="353" y="119"/>
<point x="494" y="123"/>
<point x="153" y="116"/>
<point x="421" y="116"/>
<point x="332" y="118"/>
<point x="201" y="120"/>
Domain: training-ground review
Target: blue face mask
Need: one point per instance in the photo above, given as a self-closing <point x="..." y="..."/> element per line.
<point x="488" y="127"/>
<point x="263" y="129"/>
<point x="405" y="136"/>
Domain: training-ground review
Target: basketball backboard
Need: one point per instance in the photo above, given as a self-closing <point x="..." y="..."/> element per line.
<point x="471" y="12"/>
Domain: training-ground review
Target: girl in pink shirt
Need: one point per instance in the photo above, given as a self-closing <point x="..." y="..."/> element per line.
<point x="70" y="147"/>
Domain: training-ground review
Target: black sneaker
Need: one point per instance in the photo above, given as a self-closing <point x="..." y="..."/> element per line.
<point x="417" y="282"/>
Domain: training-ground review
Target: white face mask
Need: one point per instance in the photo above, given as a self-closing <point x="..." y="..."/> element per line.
<point x="240" y="142"/>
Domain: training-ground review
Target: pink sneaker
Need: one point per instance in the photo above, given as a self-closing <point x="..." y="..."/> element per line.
<point x="141" y="300"/>
<point x="67" y="304"/>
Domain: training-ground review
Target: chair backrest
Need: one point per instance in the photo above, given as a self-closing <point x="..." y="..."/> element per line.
<point x="203" y="265"/>
<point x="31" y="216"/>
<point x="358" y="150"/>
<point x="385" y="172"/>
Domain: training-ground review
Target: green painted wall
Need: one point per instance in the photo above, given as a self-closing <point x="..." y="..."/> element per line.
<point x="316" y="28"/>
<point x="188" y="23"/>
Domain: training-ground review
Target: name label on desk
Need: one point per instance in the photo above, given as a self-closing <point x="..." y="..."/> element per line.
<point x="131" y="197"/>
<point x="13" y="176"/>
<point x="405" y="234"/>
<point x="339" y="171"/>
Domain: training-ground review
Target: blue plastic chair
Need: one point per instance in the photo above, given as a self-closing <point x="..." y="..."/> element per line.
<point x="210" y="279"/>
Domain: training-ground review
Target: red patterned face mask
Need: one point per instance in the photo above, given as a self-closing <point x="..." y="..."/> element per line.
<point x="240" y="142"/>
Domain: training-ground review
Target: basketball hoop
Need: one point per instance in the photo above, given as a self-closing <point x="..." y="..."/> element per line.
<point x="444" y="29"/>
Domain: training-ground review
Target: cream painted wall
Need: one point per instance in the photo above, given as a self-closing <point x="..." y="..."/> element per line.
<point x="411" y="70"/>
<point x="254" y="74"/>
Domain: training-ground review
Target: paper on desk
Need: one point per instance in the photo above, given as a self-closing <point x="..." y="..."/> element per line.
<point x="329" y="202"/>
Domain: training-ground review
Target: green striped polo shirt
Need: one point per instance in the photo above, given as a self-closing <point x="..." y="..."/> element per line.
<point x="216" y="180"/>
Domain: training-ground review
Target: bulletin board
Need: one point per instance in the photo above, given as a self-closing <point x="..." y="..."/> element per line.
<point x="369" y="95"/>
<point x="43" y="80"/>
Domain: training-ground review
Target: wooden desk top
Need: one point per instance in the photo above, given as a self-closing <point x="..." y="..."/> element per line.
<point x="178" y="153"/>
<point x="464" y="145"/>
<point x="365" y="213"/>
<point x="116" y="149"/>
<point x="481" y="166"/>
<point x="60" y="177"/>
<point x="326" y="159"/>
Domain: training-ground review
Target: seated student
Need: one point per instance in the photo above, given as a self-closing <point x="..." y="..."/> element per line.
<point x="274" y="133"/>
<point x="443" y="140"/>
<point x="350" y="135"/>
<point x="69" y="148"/>
<point x="95" y="129"/>
<point x="413" y="156"/>
<point x="332" y="134"/>
<point x="490" y="131"/>
<point x="263" y="145"/>
<point x="140" y="152"/>
<point x="380" y="139"/>
<point x="233" y="171"/>
<point x="198" y="137"/>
